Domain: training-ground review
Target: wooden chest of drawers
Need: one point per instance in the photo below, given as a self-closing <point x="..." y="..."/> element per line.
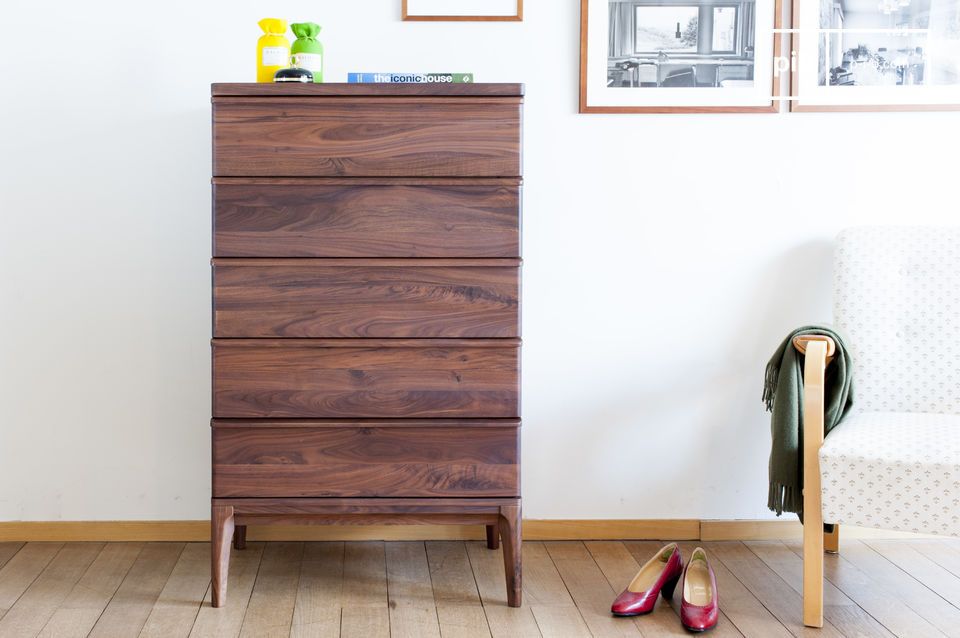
<point x="366" y="309"/>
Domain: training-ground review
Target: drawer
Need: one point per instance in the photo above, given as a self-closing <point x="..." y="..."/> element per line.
<point x="260" y="217"/>
<point x="366" y="459"/>
<point x="334" y="378"/>
<point x="422" y="298"/>
<point x="366" y="136"/>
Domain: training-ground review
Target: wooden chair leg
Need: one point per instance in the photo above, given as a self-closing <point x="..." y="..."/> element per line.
<point x="831" y="541"/>
<point x="493" y="537"/>
<point x="221" y="532"/>
<point x="812" y="573"/>
<point x="510" y="536"/>
<point x="240" y="537"/>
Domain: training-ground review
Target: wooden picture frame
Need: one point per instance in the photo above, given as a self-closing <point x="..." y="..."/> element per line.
<point x="772" y="107"/>
<point x="797" y="106"/>
<point x="408" y="17"/>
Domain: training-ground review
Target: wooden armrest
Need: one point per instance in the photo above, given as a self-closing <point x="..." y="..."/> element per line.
<point x="800" y="342"/>
<point x="818" y="350"/>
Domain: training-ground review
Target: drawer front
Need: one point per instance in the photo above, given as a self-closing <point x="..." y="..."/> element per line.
<point x="366" y="218"/>
<point x="367" y="137"/>
<point x="365" y="298"/>
<point x="318" y="378"/>
<point x="365" y="459"/>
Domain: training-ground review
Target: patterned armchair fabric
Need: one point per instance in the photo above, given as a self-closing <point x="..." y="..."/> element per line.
<point x="895" y="462"/>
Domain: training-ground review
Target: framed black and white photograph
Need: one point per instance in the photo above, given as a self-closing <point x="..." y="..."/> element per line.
<point x="462" y="10"/>
<point x="863" y="55"/>
<point x="673" y="56"/>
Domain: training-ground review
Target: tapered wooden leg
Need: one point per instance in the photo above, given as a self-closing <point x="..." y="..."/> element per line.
<point x="510" y="535"/>
<point x="240" y="537"/>
<point x="493" y="537"/>
<point x="221" y="532"/>
<point x="831" y="541"/>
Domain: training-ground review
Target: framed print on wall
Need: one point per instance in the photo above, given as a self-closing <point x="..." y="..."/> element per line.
<point x="876" y="55"/>
<point x="679" y="56"/>
<point x="462" y="10"/>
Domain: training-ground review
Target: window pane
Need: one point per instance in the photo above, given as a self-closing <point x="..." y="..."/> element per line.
<point x="724" y="29"/>
<point x="658" y="28"/>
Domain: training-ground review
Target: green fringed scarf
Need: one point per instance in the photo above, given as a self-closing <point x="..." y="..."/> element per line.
<point x="783" y="396"/>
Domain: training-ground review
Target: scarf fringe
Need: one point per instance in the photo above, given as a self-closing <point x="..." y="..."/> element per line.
<point x="785" y="498"/>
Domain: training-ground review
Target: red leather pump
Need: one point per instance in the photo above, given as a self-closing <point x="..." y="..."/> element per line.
<point x="700" y="604"/>
<point x="659" y="575"/>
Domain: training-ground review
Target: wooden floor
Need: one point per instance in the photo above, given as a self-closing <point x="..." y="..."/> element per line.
<point x="876" y="588"/>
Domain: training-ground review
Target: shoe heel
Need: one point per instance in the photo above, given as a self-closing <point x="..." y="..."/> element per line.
<point x="669" y="587"/>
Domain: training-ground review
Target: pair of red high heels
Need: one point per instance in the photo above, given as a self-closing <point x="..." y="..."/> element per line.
<point x="699" y="604"/>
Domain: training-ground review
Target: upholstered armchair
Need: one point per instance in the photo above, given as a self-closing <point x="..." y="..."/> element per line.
<point x="893" y="462"/>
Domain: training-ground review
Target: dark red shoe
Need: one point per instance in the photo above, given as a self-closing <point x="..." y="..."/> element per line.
<point x="700" y="603"/>
<point x="659" y="576"/>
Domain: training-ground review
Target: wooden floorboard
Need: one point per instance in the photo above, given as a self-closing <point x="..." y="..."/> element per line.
<point x="226" y="621"/>
<point x="319" y="593"/>
<point x="22" y="569"/>
<point x="79" y="612"/>
<point x="413" y="611"/>
<point x="45" y="594"/>
<point x="274" y="596"/>
<point x="771" y="590"/>
<point x="487" y="568"/>
<point x="863" y="582"/>
<point x="8" y="551"/>
<point x="176" y="609"/>
<point x="838" y="608"/>
<point x="547" y="596"/>
<point x="459" y="609"/>
<point x="133" y="601"/>
<point x="589" y="588"/>
<point x="455" y="589"/>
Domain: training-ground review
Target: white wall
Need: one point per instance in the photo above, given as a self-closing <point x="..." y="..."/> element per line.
<point x="656" y="283"/>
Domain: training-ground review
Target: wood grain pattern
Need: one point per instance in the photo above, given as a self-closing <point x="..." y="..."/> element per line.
<point x="40" y="601"/>
<point x="274" y="596"/>
<point x="134" y="600"/>
<point x="366" y="324"/>
<point x="365" y="461"/>
<point x="175" y="611"/>
<point x="367" y="137"/>
<point x="213" y="622"/>
<point x="347" y="589"/>
<point x="589" y="588"/>
<point x="22" y="569"/>
<point x="316" y="378"/>
<point x="365" y="298"/>
<point x="317" y="610"/>
<point x="344" y="89"/>
<point x="413" y="612"/>
<point x="81" y="609"/>
<point x="488" y="573"/>
<point x="366" y="217"/>
<point x="365" y="506"/>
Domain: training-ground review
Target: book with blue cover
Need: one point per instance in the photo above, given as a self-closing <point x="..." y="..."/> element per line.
<point x="409" y="78"/>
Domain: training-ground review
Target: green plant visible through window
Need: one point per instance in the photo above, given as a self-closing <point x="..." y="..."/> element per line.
<point x="675" y="29"/>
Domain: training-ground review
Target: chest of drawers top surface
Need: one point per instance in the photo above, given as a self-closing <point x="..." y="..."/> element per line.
<point x="350" y="130"/>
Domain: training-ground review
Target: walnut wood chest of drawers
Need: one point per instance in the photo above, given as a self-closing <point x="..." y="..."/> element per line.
<point x="366" y="309"/>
